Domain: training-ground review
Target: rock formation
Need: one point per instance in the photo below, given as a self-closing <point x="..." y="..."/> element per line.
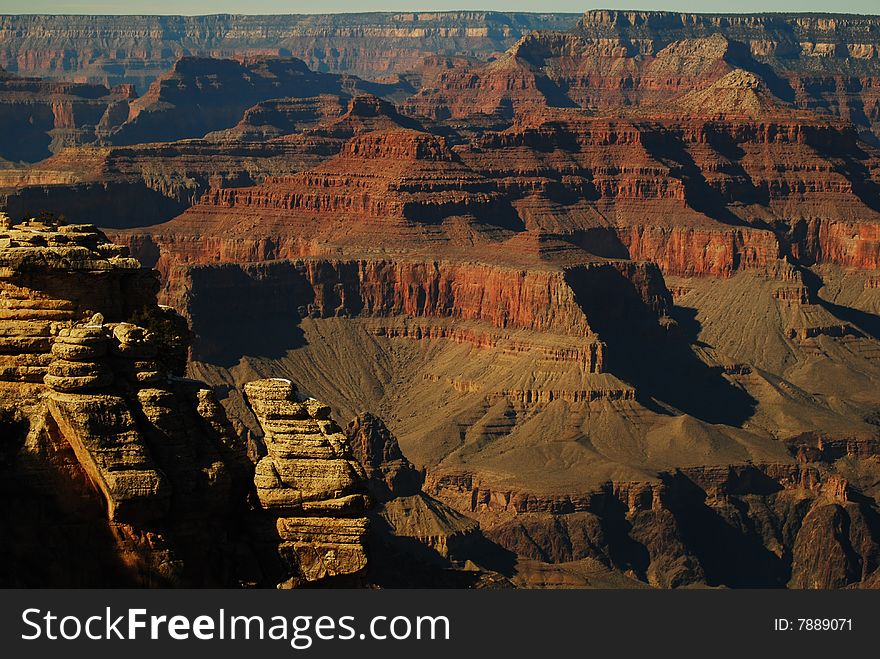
<point x="114" y="49"/>
<point x="55" y="275"/>
<point x="690" y="526"/>
<point x="415" y="539"/>
<point x="200" y="95"/>
<point x="620" y="58"/>
<point x="143" y="184"/>
<point x="310" y="482"/>
<point x="104" y="422"/>
<point x="284" y="116"/>
<point x="43" y="116"/>
<point x="121" y="187"/>
<point x="389" y="474"/>
<point x="118" y="472"/>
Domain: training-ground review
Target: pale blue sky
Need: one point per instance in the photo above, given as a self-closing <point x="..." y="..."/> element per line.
<point x="300" y="7"/>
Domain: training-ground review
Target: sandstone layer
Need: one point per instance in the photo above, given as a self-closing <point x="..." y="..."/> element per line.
<point x="143" y="184"/>
<point x="140" y="466"/>
<point x="310" y="482"/>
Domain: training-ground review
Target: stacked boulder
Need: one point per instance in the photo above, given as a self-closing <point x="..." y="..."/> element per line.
<point x="134" y="355"/>
<point x="101" y="426"/>
<point x="52" y="276"/>
<point x="94" y="355"/>
<point x="79" y="358"/>
<point x="310" y="483"/>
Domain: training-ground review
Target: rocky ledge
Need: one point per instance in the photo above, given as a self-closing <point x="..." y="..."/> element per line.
<point x="117" y="470"/>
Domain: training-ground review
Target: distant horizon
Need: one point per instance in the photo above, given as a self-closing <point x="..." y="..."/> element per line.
<point x="282" y="8"/>
<point x="437" y="11"/>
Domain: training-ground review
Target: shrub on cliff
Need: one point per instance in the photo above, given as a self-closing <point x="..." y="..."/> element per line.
<point x="171" y="333"/>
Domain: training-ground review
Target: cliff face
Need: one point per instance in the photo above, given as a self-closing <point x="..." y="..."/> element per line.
<point x="828" y="59"/>
<point x="585" y="290"/>
<point x="149" y="459"/>
<point x="685" y="129"/>
<point x="826" y="64"/>
<point x="114" y="49"/>
<point x="720" y="190"/>
<point x="38" y="301"/>
<point x="144" y="184"/>
<point x="518" y="433"/>
<point x="41" y="117"/>
<point x="200" y="95"/>
<point x="140" y="467"/>
<point x="696" y="196"/>
<point x="140" y="185"/>
<point x="742" y="525"/>
<point x="494" y="306"/>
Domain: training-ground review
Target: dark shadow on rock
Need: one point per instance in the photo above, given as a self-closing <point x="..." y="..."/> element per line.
<point x="554" y="538"/>
<point x="739" y="185"/>
<point x="730" y="549"/>
<point x="659" y="363"/>
<point x="844" y="149"/>
<point x="863" y="186"/>
<point x="751" y="480"/>
<point x="262" y="562"/>
<point x="552" y="92"/>
<point x="253" y="311"/>
<point x="700" y="196"/>
<point x="13" y="432"/>
<point x="626" y="554"/>
<point x="54" y="531"/>
<point x="406" y="562"/>
<point x="740" y="55"/>
<point x="495" y="212"/>
<point x="867" y="323"/>
<point x="491" y="555"/>
<point x="29" y="141"/>
<point x="868" y="507"/>
<point x="106" y="204"/>
<point x="599" y="241"/>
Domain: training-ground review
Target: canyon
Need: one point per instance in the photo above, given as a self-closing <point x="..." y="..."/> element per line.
<point x="120" y="471"/>
<point x="111" y="50"/>
<point x="599" y="300"/>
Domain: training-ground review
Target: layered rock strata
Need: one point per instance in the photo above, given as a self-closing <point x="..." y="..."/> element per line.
<point x="619" y="58"/>
<point x="312" y="485"/>
<point x="113" y="49"/>
<point x="53" y="275"/>
<point x="200" y="95"/>
<point x="773" y="524"/>
<point x="109" y="424"/>
<point x="144" y="184"/>
<point x="43" y="116"/>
